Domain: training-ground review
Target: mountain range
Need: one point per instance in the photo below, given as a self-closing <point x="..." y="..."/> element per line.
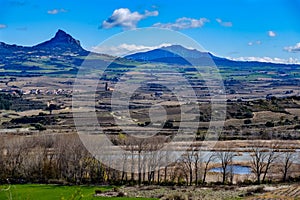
<point x="177" y="54"/>
<point x="61" y="43"/>
<point x="64" y="54"/>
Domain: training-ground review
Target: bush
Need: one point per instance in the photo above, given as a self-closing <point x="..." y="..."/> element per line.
<point x="259" y="189"/>
<point x="168" y="124"/>
<point x="251" y="191"/>
<point x="167" y="183"/>
<point x="269" y="181"/>
<point x="199" y="182"/>
<point x="269" y="124"/>
<point x="297" y="127"/>
<point x="116" y="189"/>
<point x="42" y="114"/>
<point x="181" y="183"/>
<point x="122" y="194"/>
<point x="247" y="182"/>
<point x="116" y="182"/>
<point x="146" y="183"/>
<point x="98" y="191"/>
<point x="248" y="114"/>
<point x="218" y="183"/>
<point x="39" y="127"/>
<point x="132" y="183"/>
<point x="176" y="196"/>
<point x="247" y="121"/>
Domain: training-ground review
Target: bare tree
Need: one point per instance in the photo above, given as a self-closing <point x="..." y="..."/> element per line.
<point x="136" y="146"/>
<point x="210" y="159"/>
<point x="167" y="157"/>
<point x="153" y="159"/>
<point x="140" y="144"/>
<point x="187" y="165"/>
<point x="197" y="160"/>
<point x="124" y="142"/>
<point x="287" y="160"/>
<point x="262" y="159"/>
<point x="272" y="155"/>
<point x="225" y="157"/>
<point x="257" y="162"/>
<point x="17" y="151"/>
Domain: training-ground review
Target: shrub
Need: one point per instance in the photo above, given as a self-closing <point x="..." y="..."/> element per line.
<point x="297" y="127"/>
<point x="181" y="182"/>
<point x="247" y="121"/>
<point x="259" y="189"/>
<point x="199" y="182"/>
<point x="116" y="189"/>
<point x="132" y="183"/>
<point x="98" y="191"/>
<point x="269" y="181"/>
<point x="42" y="114"/>
<point x="167" y="183"/>
<point x="176" y="196"/>
<point x="168" y="124"/>
<point x="122" y="194"/>
<point x="218" y="183"/>
<point x="39" y="127"/>
<point x="269" y="124"/>
<point x="248" y="114"/>
<point x="247" y="182"/>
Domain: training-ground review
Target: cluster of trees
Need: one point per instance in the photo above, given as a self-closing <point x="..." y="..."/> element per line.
<point x="44" y="158"/>
<point x="5" y="101"/>
<point x="266" y="159"/>
<point x="63" y="158"/>
<point x="265" y="156"/>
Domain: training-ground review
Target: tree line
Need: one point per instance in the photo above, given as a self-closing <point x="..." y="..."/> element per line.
<point x="63" y="159"/>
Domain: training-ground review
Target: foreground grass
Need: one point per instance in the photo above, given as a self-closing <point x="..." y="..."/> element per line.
<point x="53" y="192"/>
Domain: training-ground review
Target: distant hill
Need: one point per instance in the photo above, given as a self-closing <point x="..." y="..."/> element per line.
<point x="10" y="49"/>
<point x="180" y="55"/>
<point x="169" y="54"/>
<point x="62" y="54"/>
<point x="61" y="42"/>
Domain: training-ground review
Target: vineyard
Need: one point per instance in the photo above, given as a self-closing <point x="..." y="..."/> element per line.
<point x="284" y="192"/>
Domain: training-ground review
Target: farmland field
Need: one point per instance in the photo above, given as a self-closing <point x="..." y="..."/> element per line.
<point x="52" y="192"/>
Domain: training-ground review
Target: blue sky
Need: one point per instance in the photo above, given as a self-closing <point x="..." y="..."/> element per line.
<point x="239" y="29"/>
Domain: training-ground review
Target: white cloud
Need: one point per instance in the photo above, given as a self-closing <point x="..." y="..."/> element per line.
<point x="125" y="49"/>
<point x="2" y="26"/>
<point x="226" y="24"/>
<point x="258" y="42"/>
<point x="126" y="19"/>
<point x="151" y="13"/>
<point x="271" y="34"/>
<point x="294" y="49"/>
<point x="56" y="11"/>
<point x="268" y="59"/>
<point x="183" y="23"/>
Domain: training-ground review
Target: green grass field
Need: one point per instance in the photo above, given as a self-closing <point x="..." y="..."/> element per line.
<point x="53" y="192"/>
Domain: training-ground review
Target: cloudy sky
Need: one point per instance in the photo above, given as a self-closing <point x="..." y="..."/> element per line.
<point x="239" y="29"/>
